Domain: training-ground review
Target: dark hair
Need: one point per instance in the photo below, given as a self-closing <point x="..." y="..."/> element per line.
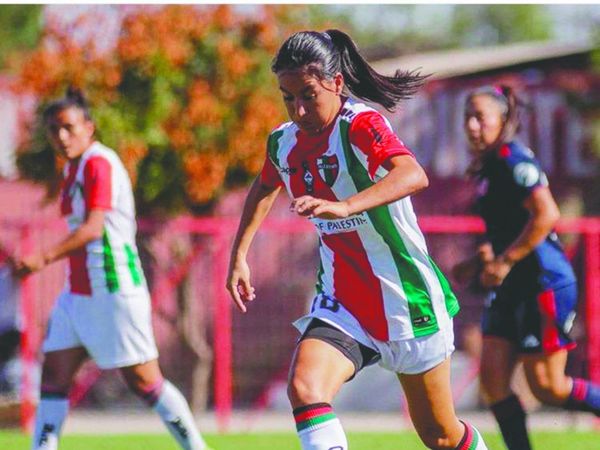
<point x="73" y="98"/>
<point x="325" y="54"/>
<point x="506" y="98"/>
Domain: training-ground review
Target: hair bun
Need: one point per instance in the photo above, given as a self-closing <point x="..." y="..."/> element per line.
<point x="76" y="95"/>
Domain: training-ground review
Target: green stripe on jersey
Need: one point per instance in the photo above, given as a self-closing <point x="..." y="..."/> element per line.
<point x="319" y="286"/>
<point x="132" y="263"/>
<point x="422" y="316"/>
<point x="110" y="269"/>
<point x="452" y="305"/>
<point x="273" y="147"/>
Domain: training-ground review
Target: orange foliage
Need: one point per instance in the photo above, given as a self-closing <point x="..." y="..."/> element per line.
<point x="169" y="32"/>
<point x="260" y="117"/>
<point x="203" y="108"/>
<point x="223" y="18"/>
<point x="205" y="175"/>
<point x="131" y="154"/>
<point x="235" y="60"/>
<point x="204" y="66"/>
<point x="61" y="60"/>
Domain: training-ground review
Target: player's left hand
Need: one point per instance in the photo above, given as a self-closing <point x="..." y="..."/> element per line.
<point x="29" y="264"/>
<point x="494" y="272"/>
<point x="309" y="206"/>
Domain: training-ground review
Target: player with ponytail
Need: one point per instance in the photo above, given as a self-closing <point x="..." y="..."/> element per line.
<point x="532" y="302"/>
<point x="379" y="296"/>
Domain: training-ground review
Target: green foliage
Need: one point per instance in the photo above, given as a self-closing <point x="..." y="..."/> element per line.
<point x="20" y="28"/>
<point x="161" y="184"/>
<point x="477" y="25"/>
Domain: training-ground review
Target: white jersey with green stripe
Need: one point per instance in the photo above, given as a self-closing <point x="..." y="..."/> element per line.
<point x="375" y="263"/>
<point x="98" y="180"/>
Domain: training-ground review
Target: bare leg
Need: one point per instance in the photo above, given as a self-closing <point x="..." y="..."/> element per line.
<point x="318" y="371"/>
<point x="146" y="380"/>
<point x="498" y="360"/>
<point x="546" y="377"/>
<point x="431" y="407"/>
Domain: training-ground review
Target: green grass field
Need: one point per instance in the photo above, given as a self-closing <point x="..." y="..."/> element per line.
<point x="283" y="441"/>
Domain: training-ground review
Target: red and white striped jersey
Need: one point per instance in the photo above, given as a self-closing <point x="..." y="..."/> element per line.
<point x="375" y="263"/>
<point x="98" y="180"/>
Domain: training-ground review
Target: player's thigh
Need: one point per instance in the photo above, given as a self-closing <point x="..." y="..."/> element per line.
<point x="59" y="368"/>
<point x="498" y="360"/>
<point x="317" y="372"/>
<point x="546" y="376"/>
<point x="429" y="397"/>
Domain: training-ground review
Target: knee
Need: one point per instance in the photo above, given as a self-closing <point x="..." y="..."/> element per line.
<point x="149" y="393"/>
<point x="53" y="382"/>
<point x="550" y="393"/>
<point x="148" y="389"/>
<point x="305" y="390"/>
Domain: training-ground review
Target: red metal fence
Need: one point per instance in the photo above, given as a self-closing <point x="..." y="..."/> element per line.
<point x="250" y="350"/>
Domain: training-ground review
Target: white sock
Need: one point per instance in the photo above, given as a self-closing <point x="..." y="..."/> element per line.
<point x="49" y="418"/>
<point x="472" y="440"/>
<point x="319" y="429"/>
<point x="173" y="409"/>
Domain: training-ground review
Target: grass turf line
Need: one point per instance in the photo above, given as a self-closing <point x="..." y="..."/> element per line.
<point x="285" y="441"/>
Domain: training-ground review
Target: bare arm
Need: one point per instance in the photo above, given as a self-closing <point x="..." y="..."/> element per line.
<point x="89" y="230"/>
<point x="544" y="215"/>
<point x="468" y="269"/>
<point x="258" y="203"/>
<point x="405" y="177"/>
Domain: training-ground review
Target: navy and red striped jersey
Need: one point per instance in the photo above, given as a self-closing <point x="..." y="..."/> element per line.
<point x="506" y="180"/>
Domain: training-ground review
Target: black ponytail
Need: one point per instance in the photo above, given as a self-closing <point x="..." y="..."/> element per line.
<point x="512" y="121"/>
<point x="325" y="54"/>
<point x="73" y="98"/>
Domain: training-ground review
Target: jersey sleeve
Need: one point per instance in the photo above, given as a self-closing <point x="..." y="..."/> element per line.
<point x="373" y="136"/>
<point x="524" y="171"/>
<point x="97" y="183"/>
<point x="269" y="175"/>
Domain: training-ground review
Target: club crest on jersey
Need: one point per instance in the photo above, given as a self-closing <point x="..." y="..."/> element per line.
<point x="309" y="180"/>
<point x="329" y="168"/>
<point x="526" y="174"/>
<point x="76" y="186"/>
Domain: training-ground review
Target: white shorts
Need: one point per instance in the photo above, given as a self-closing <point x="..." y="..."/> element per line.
<point x="115" y="329"/>
<point x="408" y="356"/>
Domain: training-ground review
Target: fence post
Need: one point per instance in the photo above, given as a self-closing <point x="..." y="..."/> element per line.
<point x="222" y="334"/>
<point x="592" y="300"/>
<point x="29" y="337"/>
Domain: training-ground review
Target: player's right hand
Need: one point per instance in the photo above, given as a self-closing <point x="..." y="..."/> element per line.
<point x="28" y="265"/>
<point x="238" y="284"/>
<point x="466" y="271"/>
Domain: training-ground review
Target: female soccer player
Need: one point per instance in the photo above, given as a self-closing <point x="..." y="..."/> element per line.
<point x="379" y="295"/>
<point x="104" y="310"/>
<point x="532" y="306"/>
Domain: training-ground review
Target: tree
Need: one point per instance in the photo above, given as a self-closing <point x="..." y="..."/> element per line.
<point x="185" y="96"/>
<point x="20" y="29"/>
<point x="500" y="24"/>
